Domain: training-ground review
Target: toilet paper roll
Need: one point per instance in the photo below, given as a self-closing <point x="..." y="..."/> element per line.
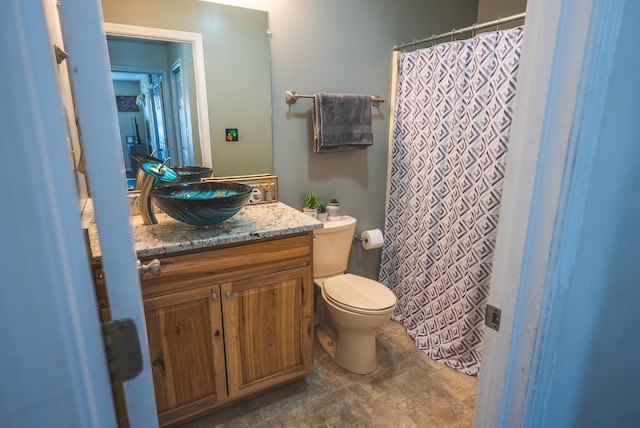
<point x="371" y="239"/>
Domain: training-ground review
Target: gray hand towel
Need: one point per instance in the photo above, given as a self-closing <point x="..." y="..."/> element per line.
<point x="341" y="122"/>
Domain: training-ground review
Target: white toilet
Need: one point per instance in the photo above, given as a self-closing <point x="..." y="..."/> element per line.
<point x="351" y="308"/>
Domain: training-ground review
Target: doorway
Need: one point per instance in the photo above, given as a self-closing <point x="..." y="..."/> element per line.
<point x="153" y="81"/>
<point x="141" y="116"/>
<point x="182" y="112"/>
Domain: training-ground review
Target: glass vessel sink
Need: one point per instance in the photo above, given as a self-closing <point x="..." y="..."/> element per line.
<point x="189" y="174"/>
<point x="186" y="174"/>
<point x="201" y="204"/>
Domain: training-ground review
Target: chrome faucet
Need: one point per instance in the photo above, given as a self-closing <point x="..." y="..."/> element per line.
<point x="154" y="171"/>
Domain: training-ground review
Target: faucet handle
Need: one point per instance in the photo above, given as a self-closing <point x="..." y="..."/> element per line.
<point x="153" y="267"/>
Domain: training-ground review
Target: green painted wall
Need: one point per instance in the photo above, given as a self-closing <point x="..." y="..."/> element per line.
<point x="343" y="46"/>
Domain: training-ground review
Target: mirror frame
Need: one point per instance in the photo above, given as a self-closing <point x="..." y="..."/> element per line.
<point x="195" y="39"/>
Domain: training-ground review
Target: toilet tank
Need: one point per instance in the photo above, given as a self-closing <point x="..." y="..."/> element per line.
<point x="331" y="246"/>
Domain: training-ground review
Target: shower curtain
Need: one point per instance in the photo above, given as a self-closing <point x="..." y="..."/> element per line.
<point x="450" y="134"/>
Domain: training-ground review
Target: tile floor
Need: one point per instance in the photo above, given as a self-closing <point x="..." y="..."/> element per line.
<point x="407" y="390"/>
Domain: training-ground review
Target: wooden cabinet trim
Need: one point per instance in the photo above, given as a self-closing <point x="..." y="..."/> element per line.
<point x="177" y="417"/>
<point x="202" y="266"/>
<point x="161" y="289"/>
<point x="250" y="253"/>
<point x="216" y="328"/>
<point x="216" y="265"/>
<point x="231" y="344"/>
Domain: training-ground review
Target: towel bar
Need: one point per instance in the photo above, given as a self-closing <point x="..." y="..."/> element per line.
<point x="291" y="97"/>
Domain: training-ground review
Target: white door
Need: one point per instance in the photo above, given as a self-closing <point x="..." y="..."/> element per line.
<point x="54" y="366"/>
<point x="567" y="57"/>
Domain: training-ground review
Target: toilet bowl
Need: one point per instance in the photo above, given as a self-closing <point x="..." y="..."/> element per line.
<point x="350" y="308"/>
<point x="355" y="307"/>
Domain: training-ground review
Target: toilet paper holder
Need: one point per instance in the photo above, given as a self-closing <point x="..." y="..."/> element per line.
<point x="369" y="239"/>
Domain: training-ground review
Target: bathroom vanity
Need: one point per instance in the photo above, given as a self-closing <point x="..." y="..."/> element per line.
<point x="231" y="312"/>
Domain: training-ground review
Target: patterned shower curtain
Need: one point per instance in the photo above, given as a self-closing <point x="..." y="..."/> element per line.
<point x="450" y="137"/>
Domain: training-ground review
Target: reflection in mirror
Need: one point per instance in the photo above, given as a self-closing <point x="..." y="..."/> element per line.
<point x="156" y="88"/>
<point x="235" y="76"/>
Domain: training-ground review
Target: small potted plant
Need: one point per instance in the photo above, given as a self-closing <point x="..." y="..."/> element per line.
<point x="311" y="202"/>
<point x="322" y="213"/>
<point x="333" y="210"/>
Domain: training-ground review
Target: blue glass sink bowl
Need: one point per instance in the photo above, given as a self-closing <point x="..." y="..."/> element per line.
<point x="186" y="174"/>
<point x="201" y="204"/>
<point x="189" y="174"/>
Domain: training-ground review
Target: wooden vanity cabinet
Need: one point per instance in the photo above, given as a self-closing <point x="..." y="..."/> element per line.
<point x="225" y="323"/>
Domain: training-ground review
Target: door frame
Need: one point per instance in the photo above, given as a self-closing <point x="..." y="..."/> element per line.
<point x="562" y="66"/>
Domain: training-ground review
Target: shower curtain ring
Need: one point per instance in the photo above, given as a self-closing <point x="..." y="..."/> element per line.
<point x="498" y="28"/>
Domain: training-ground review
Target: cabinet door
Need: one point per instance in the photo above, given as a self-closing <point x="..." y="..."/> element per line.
<point x="268" y="329"/>
<point x="187" y="352"/>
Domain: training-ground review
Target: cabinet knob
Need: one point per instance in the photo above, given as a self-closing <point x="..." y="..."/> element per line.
<point x="216" y="333"/>
<point x="153" y="267"/>
<point x="228" y="295"/>
<point x="214" y="297"/>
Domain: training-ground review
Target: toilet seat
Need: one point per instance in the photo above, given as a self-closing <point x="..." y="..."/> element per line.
<point x="358" y="294"/>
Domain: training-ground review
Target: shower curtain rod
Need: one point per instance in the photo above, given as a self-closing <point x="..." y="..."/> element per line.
<point x="460" y="31"/>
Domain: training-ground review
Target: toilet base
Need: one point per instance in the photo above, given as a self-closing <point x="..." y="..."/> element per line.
<point x="327" y="342"/>
<point x="353" y="352"/>
<point x="349" y="338"/>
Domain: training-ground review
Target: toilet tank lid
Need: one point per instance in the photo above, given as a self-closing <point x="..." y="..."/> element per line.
<point x="359" y="292"/>
<point x="345" y="222"/>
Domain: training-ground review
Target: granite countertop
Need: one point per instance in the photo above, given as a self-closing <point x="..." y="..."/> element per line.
<point x="253" y="222"/>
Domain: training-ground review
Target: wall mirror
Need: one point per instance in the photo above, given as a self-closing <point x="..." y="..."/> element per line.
<point x="157" y="75"/>
<point x="223" y="55"/>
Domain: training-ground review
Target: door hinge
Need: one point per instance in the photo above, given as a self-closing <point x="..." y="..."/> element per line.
<point x="123" y="349"/>
<point x="492" y="317"/>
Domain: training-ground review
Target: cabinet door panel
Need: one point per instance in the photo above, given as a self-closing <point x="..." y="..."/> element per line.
<point x="265" y="329"/>
<point x="185" y="352"/>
